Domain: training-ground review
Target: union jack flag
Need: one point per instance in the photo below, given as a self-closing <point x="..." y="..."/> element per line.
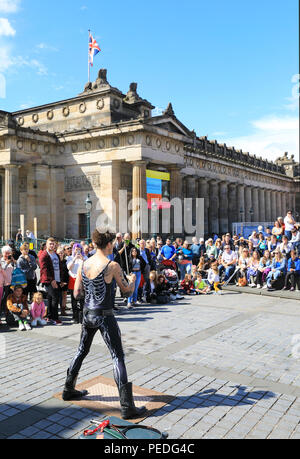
<point x="94" y="49"/>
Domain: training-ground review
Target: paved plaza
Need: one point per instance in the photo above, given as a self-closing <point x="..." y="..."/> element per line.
<point x="232" y="361"/>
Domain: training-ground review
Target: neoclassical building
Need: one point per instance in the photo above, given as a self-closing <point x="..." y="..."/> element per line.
<point x="103" y="142"/>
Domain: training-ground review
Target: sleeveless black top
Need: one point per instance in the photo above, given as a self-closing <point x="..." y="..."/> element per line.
<point x="98" y="295"/>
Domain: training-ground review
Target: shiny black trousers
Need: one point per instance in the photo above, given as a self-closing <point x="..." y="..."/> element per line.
<point x="111" y="335"/>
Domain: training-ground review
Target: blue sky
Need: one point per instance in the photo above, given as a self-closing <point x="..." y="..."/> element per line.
<point x="230" y="68"/>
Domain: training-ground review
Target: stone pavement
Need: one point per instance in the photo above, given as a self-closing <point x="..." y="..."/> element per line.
<point x="232" y="361"/>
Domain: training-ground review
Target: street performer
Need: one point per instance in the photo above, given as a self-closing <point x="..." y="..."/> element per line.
<point x="94" y="281"/>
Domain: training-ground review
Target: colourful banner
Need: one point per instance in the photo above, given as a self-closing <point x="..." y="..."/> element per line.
<point x="158" y="175"/>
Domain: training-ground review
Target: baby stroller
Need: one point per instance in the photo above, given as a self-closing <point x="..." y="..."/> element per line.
<point x="169" y="269"/>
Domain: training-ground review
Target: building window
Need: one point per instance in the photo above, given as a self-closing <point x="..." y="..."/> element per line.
<point x="82" y="226"/>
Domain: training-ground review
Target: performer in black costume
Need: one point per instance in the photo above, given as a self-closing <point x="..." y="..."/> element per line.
<point x="94" y="280"/>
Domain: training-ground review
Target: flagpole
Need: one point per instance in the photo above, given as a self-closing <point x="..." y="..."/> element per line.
<point x="89" y="76"/>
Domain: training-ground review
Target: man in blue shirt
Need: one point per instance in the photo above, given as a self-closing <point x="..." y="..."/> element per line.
<point x="168" y="251"/>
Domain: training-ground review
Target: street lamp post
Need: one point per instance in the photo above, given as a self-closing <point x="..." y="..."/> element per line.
<point x="88" y="206"/>
<point x="154" y="210"/>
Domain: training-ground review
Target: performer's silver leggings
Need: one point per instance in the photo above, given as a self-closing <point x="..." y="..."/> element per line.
<point x="111" y="335"/>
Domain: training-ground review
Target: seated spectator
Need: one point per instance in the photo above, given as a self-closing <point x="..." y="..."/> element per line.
<point x="285" y="247"/>
<point x="38" y="310"/>
<point x="277" y="230"/>
<point x="251" y="248"/>
<point x="162" y="290"/>
<point x="219" y="248"/>
<point x="201" y="266"/>
<point x="295" y="240"/>
<point x="227" y="241"/>
<point x="253" y="268"/>
<point x="254" y="239"/>
<point x="289" y="224"/>
<point x="263" y="269"/>
<point x="293" y="272"/>
<point x="243" y="264"/>
<point x="278" y="269"/>
<point x="195" y="249"/>
<point x="228" y="264"/>
<point x="211" y="249"/>
<point x="150" y="288"/>
<point x="187" y="285"/>
<point x="213" y="277"/>
<point x="18" y="307"/>
<point x="273" y="244"/>
<point x="262" y="244"/>
<point x="200" y="286"/>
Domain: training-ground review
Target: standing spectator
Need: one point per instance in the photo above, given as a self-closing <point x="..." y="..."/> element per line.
<point x="30" y="236"/>
<point x="195" y="248"/>
<point x="227" y="241"/>
<point x="64" y="284"/>
<point x="289" y="223"/>
<point x="281" y="223"/>
<point x="28" y="266"/>
<point x="211" y="249"/>
<point x="293" y="272"/>
<point x="7" y="264"/>
<point x="42" y="249"/>
<point x="2" y="284"/>
<point x="75" y="262"/>
<point x="19" y="236"/>
<point x="228" y="264"/>
<point x="262" y="244"/>
<point x="124" y="247"/>
<point x="136" y="265"/>
<point x="168" y="251"/>
<point x="185" y="261"/>
<point x="50" y="266"/>
<point x="145" y="254"/>
<point x="254" y="239"/>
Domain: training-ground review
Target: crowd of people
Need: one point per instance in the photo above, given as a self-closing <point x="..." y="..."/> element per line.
<point x="164" y="271"/>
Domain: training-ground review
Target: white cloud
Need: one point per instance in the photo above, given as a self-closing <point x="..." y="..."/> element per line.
<point x="9" y="6"/>
<point x="6" y="30"/>
<point x="45" y="47"/>
<point x="272" y="136"/>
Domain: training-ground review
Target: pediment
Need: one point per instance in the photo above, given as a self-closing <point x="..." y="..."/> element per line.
<point x="170" y="124"/>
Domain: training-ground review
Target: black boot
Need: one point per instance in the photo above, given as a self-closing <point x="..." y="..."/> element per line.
<point x="128" y="408"/>
<point x="70" y="393"/>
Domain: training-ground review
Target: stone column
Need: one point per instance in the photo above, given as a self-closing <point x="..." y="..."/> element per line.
<point x="223" y="207"/>
<point x="191" y="193"/>
<point x="176" y="197"/>
<point x="262" y="205"/>
<point x="283" y="204"/>
<point x="278" y="205"/>
<point x="268" y="203"/>
<point x="39" y="199"/>
<point x="11" y="201"/>
<point x="139" y="200"/>
<point x="255" y="204"/>
<point x="203" y="192"/>
<point x="248" y="203"/>
<point x="273" y="206"/>
<point x="241" y="202"/>
<point x="214" y="207"/>
<point x="110" y="184"/>
<point x="233" y="211"/>
<point x="57" y="203"/>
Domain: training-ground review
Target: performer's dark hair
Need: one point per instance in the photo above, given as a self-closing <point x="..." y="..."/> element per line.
<point x="102" y="236"/>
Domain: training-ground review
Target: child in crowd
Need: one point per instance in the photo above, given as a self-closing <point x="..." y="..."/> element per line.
<point x="38" y="310"/>
<point x="213" y="277"/>
<point x="200" y="285"/>
<point x="17" y="305"/>
<point x="187" y="284"/>
<point x="150" y="288"/>
<point x="162" y="290"/>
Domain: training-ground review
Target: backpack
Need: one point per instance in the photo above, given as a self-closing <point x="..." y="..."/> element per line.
<point x="18" y="278"/>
